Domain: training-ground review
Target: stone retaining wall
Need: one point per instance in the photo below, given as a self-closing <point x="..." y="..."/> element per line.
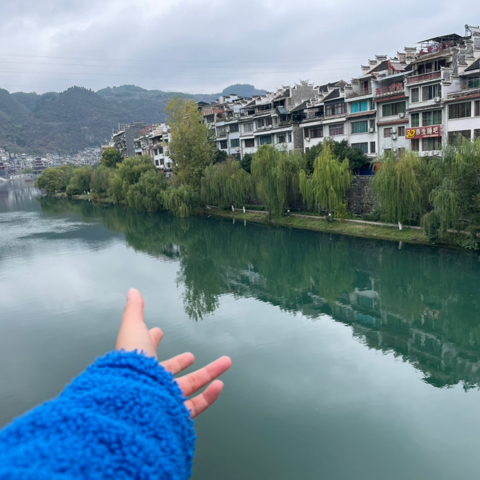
<point x="360" y="197"/>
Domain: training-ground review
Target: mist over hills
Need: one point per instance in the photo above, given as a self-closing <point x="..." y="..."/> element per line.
<point x="78" y="118"/>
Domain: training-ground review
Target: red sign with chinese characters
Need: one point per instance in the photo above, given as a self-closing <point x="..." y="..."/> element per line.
<point x="423" y="132"/>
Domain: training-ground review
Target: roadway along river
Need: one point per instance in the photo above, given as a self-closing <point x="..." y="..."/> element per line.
<point x="352" y="359"/>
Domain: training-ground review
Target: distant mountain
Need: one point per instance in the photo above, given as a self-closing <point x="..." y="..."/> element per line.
<point x="243" y="90"/>
<point x="78" y="118"/>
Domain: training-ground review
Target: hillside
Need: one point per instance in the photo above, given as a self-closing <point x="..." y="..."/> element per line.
<point x="78" y="118"/>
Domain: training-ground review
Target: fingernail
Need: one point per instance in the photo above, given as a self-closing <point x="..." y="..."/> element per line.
<point x="131" y="293"/>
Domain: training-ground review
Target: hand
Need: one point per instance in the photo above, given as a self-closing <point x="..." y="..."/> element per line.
<point x="134" y="335"/>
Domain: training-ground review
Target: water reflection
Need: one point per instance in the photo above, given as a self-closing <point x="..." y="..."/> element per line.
<point x="419" y="303"/>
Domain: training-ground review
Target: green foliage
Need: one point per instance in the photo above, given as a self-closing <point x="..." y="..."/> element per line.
<point x="191" y="149"/>
<point x="327" y="187"/>
<point x="128" y="173"/>
<point x="341" y="151"/>
<point x="148" y="193"/>
<point x="225" y="184"/>
<point x="246" y="163"/>
<point x="80" y="181"/>
<point x="27" y="170"/>
<point x="55" y="179"/>
<point x="101" y="179"/>
<point x="402" y="186"/>
<point x="276" y="177"/>
<point x="110" y="157"/>
<point x="181" y="201"/>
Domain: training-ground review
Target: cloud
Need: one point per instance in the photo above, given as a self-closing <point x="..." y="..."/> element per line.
<point x="199" y="46"/>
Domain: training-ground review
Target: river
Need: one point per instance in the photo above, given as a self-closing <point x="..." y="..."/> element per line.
<point x="352" y="359"/>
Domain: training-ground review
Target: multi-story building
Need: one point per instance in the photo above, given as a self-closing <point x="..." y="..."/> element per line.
<point x="122" y="138"/>
<point x="418" y="100"/>
<point x="153" y="141"/>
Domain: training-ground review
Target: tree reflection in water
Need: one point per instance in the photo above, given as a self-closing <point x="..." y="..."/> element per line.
<point x="420" y="303"/>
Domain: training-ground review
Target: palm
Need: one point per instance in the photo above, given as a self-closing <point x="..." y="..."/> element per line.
<point x="134" y="335"/>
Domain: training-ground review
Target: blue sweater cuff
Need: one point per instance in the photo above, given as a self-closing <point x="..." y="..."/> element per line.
<point x="122" y="418"/>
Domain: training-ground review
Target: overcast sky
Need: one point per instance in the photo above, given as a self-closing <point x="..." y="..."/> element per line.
<point x="199" y="46"/>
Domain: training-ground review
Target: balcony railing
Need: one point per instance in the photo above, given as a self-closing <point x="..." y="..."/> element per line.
<point x="389" y="90"/>
<point x="360" y="93"/>
<point x="423" y="78"/>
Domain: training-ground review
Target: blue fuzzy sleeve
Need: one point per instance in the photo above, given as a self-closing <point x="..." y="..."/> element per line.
<point x="123" y="418"/>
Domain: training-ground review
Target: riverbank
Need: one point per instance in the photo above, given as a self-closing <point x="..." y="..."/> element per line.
<point x="354" y="228"/>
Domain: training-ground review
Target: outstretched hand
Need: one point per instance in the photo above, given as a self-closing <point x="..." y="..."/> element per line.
<point x="134" y="335"/>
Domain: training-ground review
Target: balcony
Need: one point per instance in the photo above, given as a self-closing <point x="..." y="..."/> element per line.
<point x="424" y="78"/>
<point x="362" y="92"/>
<point x="393" y="89"/>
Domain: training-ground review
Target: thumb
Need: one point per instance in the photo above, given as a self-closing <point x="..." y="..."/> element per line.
<point x="134" y="334"/>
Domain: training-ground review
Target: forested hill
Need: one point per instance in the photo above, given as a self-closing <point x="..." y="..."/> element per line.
<point x="78" y="118"/>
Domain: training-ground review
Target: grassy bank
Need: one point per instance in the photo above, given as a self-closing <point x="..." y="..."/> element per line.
<point x="378" y="231"/>
<point x="370" y="230"/>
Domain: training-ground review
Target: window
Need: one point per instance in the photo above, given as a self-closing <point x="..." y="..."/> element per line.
<point x="157" y="163"/>
<point x="248" y="127"/>
<point x="336" y="129"/>
<point x="429" y="144"/>
<point x="221" y="131"/>
<point x="314" y="132"/>
<point x="362" y="146"/>
<point x="338" y="108"/>
<point x="476" y="134"/>
<point x="260" y="123"/>
<point x="415" y="119"/>
<point x="415" y="144"/>
<point x="360" y="127"/>
<point x="268" y="121"/>
<point x="362" y="106"/>
<point x="431" y="91"/>
<point x="460" y="110"/>
<point x="281" y="138"/>
<point x="431" y="118"/>
<point x="473" y="82"/>
<point x="249" y="142"/>
<point x="415" y="95"/>
<point x="223" y="144"/>
<point x="234" y="143"/>
<point x="477" y="108"/>
<point x="372" y="147"/>
<point x="387" y="132"/>
<point x="401" y="131"/>
<point x="289" y="138"/>
<point x="393" y="109"/>
<point x="453" y="136"/>
<point x="372" y="125"/>
<point x="266" y="139"/>
<point x="234" y="128"/>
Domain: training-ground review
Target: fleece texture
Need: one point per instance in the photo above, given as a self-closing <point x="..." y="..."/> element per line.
<point x="123" y="418"/>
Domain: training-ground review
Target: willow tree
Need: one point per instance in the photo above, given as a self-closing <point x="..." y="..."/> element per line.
<point x="327" y="187"/>
<point x="402" y="187"/>
<point x="181" y="201"/>
<point x="225" y="183"/>
<point x="190" y="146"/>
<point x="148" y="192"/>
<point x="276" y="178"/>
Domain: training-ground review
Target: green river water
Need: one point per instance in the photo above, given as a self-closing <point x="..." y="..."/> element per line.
<point x="352" y="359"/>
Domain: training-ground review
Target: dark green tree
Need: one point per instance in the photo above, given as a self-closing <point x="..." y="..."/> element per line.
<point x="111" y="157"/>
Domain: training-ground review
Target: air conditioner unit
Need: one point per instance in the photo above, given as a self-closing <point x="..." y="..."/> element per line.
<point x="394" y="131"/>
<point x="307" y="139"/>
<point x="401" y="115"/>
<point x="393" y="136"/>
<point x="372" y="130"/>
<point x="437" y="99"/>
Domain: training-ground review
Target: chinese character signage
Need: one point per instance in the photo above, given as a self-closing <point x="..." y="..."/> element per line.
<point x="423" y="132"/>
